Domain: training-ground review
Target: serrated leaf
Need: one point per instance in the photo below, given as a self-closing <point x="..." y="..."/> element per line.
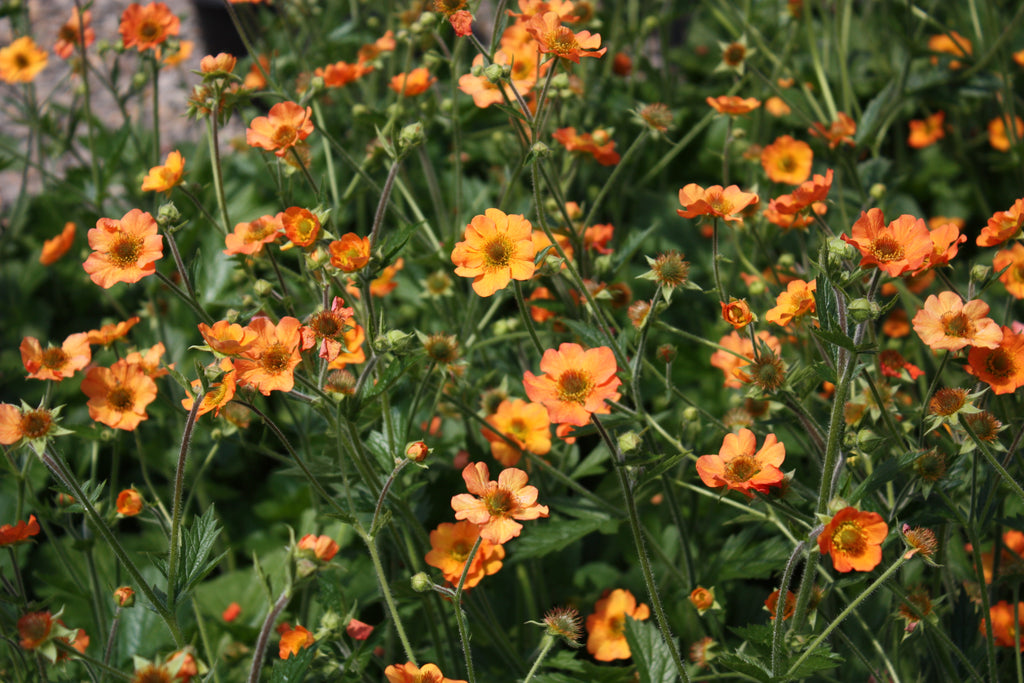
<point x="588" y="333"/>
<point x="395" y="240"/>
<point x="197" y="542"/>
<point x="820" y="660"/>
<point x="293" y="669"/>
<point x="539" y="540"/>
<point x="834" y="337"/>
<point x="650" y="652"/>
<point x="744" y="664"/>
<point x="883" y="473"/>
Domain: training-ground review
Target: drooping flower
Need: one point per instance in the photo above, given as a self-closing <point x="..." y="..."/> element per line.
<point x="951" y="43"/>
<point x="294" y="640"/>
<point x="34" y="629"/>
<point x="840" y="131"/>
<point x="55" y="363"/>
<point x="555" y="39"/>
<point x="525" y="424"/>
<point x="358" y="630"/>
<point x="329" y="327"/>
<point x="462" y="23"/>
<point x="21" y="61"/>
<point x="999" y="136"/>
<point x="738" y="467"/>
<point x="129" y="502"/>
<point x="597" y="144"/>
<point x="737" y="313"/>
<point x="733" y="105"/>
<point x="787" y="160"/>
<point x="18" y="533"/>
<point x="26" y="423"/>
<point x="854" y="540"/>
<point x="926" y="132"/>
<point x="1001" y="367"/>
<point x="1003" y="226"/>
<point x="413" y="83"/>
<point x="220" y="65"/>
<point x="714" y="201"/>
<point x="108" y="334"/>
<point x="145" y="27"/>
<point x="495" y="505"/>
<point x="124" y="250"/>
<point x="268" y="362"/>
<point x="118" y="395"/>
<point x="1004" y="631"/>
<point x="350" y="253"/>
<point x="450" y="545"/>
<point x="227" y="338"/>
<point x="323" y="547"/>
<point x="164" y="178"/>
<point x="946" y="240"/>
<point x="946" y="322"/>
<point x="249" y="238"/>
<point x="341" y="73"/>
<point x="496" y="249"/>
<point x="56" y="247"/>
<point x="702" y="598"/>
<point x="410" y="673"/>
<point x="1012" y="260"/>
<point x="898" y="248"/>
<point x="797" y="300"/>
<point x="576" y="383"/>
<point x="606" y="627"/>
<point x="150" y="360"/>
<point x="285" y="125"/>
<point x="74" y="31"/>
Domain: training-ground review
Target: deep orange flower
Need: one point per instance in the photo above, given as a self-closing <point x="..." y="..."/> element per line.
<point x="370" y="51"/>
<point x="576" y="383"/>
<point x="526" y="424"/>
<point x="738" y="467"/>
<point x="118" y="395"/>
<point x="558" y="40"/>
<point x="24" y="423"/>
<point x="129" y="502"/>
<point x="219" y="394"/>
<point x="350" y="253"/>
<point x="164" y="178"/>
<point x="1003" y="226"/>
<point x="598" y="144"/>
<point x="324" y="547"/>
<point x="598" y="236"/>
<point x="898" y="248"/>
<point x="495" y="505"/>
<point x="285" y="125"/>
<point x="998" y="136"/>
<point x="341" y="73"/>
<point x="1012" y="260"/>
<point x="294" y="640"/>
<point x="792" y="221"/>
<point x="329" y="327"/>
<point x="55" y="363"/>
<point x="146" y="27"/>
<point x="840" y="131"/>
<point x="410" y="673"/>
<point x="772" y="604"/>
<point x="787" y="160"/>
<point x="1001" y="367"/>
<point x="1004" y="631"/>
<point x="450" y="545"/>
<point x="249" y="238"/>
<point x="56" y="247"/>
<point x="227" y="338"/>
<point x="301" y="226"/>
<point x="892" y="364"/>
<point x="926" y="132"/>
<point x="110" y="333"/>
<point x="714" y="201"/>
<point x="951" y="43"/>
<point x="797" y="300"/>
<point x="702" y="598"/>
<point x="737" y="313"/>
<point x="268" y="363"/>
<point x="462" y="23"/>
<point x="946" y="322"/>
<point x="124" y="250"/>
<point x="606" y="627"/>
<point x="34" y="629"/>
<point x="806" y="195"/>
<point x="733" y="104"/>
<point x="21" y="61"/>
<point x="73" y="32"/>
<point x="385" y="282"/>
<point x="854" y="540"/>
<point x="231" y="612"/>
<point x="739" y="355"/>
<point x="946" y="240"/>
<point x="496" y="249"/>
<point x="221" y="64"/>
<point x="413" y="83"/>
<point x="19" y="533"/>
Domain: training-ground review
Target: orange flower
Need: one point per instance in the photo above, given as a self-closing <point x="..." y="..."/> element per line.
<point x="739" y="354"/>
<point x="951" y="43"/>
<point x="733" y="104"/>
<point x="329" y="327"/>
<point x="1004" y="631"/>
<point x="787" y="160"/>
<point x="462" y="23"/>
<point x="146" y="27"/>
<point x="178" y="56"/>
<point x="1003" y="226"/>
<point x="110" y="333"/>
<point x="777" y="107"/>
<point x="410" y="673"/>
<point x="301" y="226"/>
<point x="227" y="338"/>
<point x="598" y="236"/>
<point x="523" y="75"/>
<point x="57" y="246"/>
<point x="1012" y="277"/>
<point x="72" y="33"/>
<point x="772" y="604"/>
<point x="118" y="395"/>
<point x="897" y="324"/>
<point x="294" y="640"/>
<point x="797" y="300"/>
<point x="575" y="384"/>
<point x="350" y="253"/>
<point x="840" y="131"/>
<point x="606" y="627"/>
<point x="702" y="598"/>
<point x="926" y="132"/>
<point x="741" y="469"/>
<point x="495" y="505"/>
<point x="19" y="533"/>
<point x="714" y="201"/>
<point x="24" y="423"/>
<point x="806" y="195"/>
<point x="129" y="502"/>
<point x="385" y="283"/>
<point x="998" y="136"/>
<point x="324" y="547"/>
<point x="597" y="144"/>
<point x="124" y="250"/>
<point x="900" y="247"/>
<point x="268" y="363"/>
<point x="413" y="83"/>
<point x="370" y="51"/>
<point x="946" y="322"/>
<point x="222" y="64"/>
<point x="55" y="363"/>
<point x="1001" y="367"/>
<point x="450" y="545"/>
<point x="351" y="348"/>
<point x="496" y="248"/>
<point x="286" y="125"/>
<point x="219" y="394"/>
<point x="150" y="360"/>
<point x="558" y="40"/>
<point x="231" y="612"/>
<point x="946" y="240"/>
<point x="340" y="74"/>
<point x="854" y="540"/>
<point x="164" y="178"/>
<point x="358" y="630"/>
<point x="34" y="629"/>
<point x="526" y="424"/>
<point x="21" y="61"/>
<point x="892" y="364"/>
<point x="737" y="313"/>
<point x="249" y="238"/>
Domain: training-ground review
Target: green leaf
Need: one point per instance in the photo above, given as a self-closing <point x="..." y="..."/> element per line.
<point x="588" y="333"/>
<point x="873" y="113"/>
<point x="744" y="664"/>
<point x="196" y="544"/>
<point x="883" y="473"/>
<point x="538" y="540"/>
<point x="650" y="652"/>
<point x="293" y="669"/>
<point x="820" y="660"/>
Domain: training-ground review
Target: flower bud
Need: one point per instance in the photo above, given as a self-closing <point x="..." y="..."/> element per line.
<point x="862" y="310"/>
<point x="667" y="353"/>
<point x="262" y="287"/>
<point x="494" y="73"/>
<point x="411" y="136"/>
<point x="124" y="596"/>
<point x="421" y="583"/>
<point x="417" y="451"/>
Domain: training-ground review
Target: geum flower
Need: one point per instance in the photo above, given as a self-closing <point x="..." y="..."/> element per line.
<point x="946" y="240"/>
<point x="787" y="160"/>
<point x="413" y="83"/>
<point x="73" y="32"/>
<point x="285" y="125"/>
<point x="555" y="39"/>
<point x="576" y="383"/>
<point x="606" y="627"/>
<point x="496" y="249"/>
<point x="55" y="363"/>
<point x="854" y="540"/>
<point x="1001" y="367"/>
<point x="350" y="253"/>
<point x="219" y="393"/>
<point x="329" y="328"/>
<point x="1004" y="631"/>
<point x="714" y="201"/>
<point x="227" y="338"/>
<point x="526" y="425"/>
<point x="738" y="467"/>
<point x="796" y="301"/>
<point x="55" y="247"/>
<point x="895" y="249"/>
<point x="927" y="131"/>
<point x="1003" y="226"/>
<point x="118" y="395"/>
<point x="807" y="194"/>
<point x="269" y="362"/>
<point x="450" y="545"/>
<point x="18" y="533"/>
<point x="108" y="334"/>
<point x="21" y="61"/>
<point x="596" y="144"/>
<point x="293" y="640"/>
<point x="125" y="250"/>
<point x="495" y="505"/>
<point x="249" y="238"/>
<point x="839" y="131"/>
<point x="733" y="104"/>
<point x="145" y="27"/>
<point x="164" y="178"/>
<point x="26" y="423"/>
<point x="410" y="673"/>
<point x="1010" y="263"/>
<point x="947" y="323"/>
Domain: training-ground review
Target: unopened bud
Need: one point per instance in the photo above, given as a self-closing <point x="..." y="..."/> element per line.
<point x="421" y="583"/>
<point x="124" y="596"/>
<point x="862" y="310"/>
<point x="417" y="451"/>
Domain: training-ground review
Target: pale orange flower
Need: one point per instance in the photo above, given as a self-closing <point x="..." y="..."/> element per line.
<point x="110" y="333"/>
<point x="410" y="673"/>
<point x="227" y="338"/>
<point x="787" y="160"/>
<point x="294" y="640"/>
<point x="854" y="540"/>
<point x="385" y="282"/>
<point x="55" y="363"/>
<point x="523" y="64"/>
<point x="249" y="238"/>
<point x="219" y="393"/>
<point x="164" y="178"/>
<point x="737" y="466"/>
<point x="777" y="107"/>
<point x="1002" y="366"/>
<point x="946" y="240"/>
<point x="840" y="131"/>
<point x="606" y="627"/>
<point x="370" y="51"/>
<point x="898" y="248"/>
<point x="301" y="226"/>
<point x="254" y="78"/>
<point x="324" y="547"/>
<point x="1004" y="631"/>
<point x="528" y="9"/>
<point x="926" y="132"/>
<point x="150" y="360"/>
<point x="413" y="83"/>
<point x="576" y="383"/>
<point x="179" y="56"/>
<point x="1012" y="260"/>
<point x="351" y="348"/>
<point x="450" y="545"/>
<point x="285" y="125"/>
<point x="18" y="533"/>
<point x="125" y="250"/>
<point x="329" y="327"/>
<point x="946" y="322"/>
<point x="268" y="363"/>
<point x="526" y="424"/>
<point x="350" y="253"/>
<point x="495" y="505"/>
<point x="797" y="300"/>
<point x="998" y="136"/>
<point x="558" y="40"/>
<point x="496" y="249"/>
<point x="951" y="43"/>
<point x="222" y="64"/>
<point x="21" y="61"/>
<point x="806" y="195"/>
<point x="73" y="32"/>
<point x="341" y="73"/>
<point x="118" y="395"/>
<point x="56" y="247"/>
<point x="129" y="502"/>
<point x="24" y="423"/>
<point x="714" y="201"/>
<point x="733" y="104"/>
<point x="146" y="27"/>
<point x="1003" y="226"/>
<point x="598" y="144"/>
<point x="739" y="354"/>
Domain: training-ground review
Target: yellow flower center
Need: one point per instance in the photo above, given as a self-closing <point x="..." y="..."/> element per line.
<point x="276" y="359"/>
<point x="498" y="252"/>
<point x="848" y="538"/>
<point x="499" y="503"/>
<point x="284" y="135"/>
<point x="886" y="248"/>
<point x="259" y="229"/>
<point x="518" y="429"/>
<point x="460" y="551"/>
<point x="561" y="41"/>
<point x="574" y="386"/>
<point x="957" y="325"/>
<point x="125" y="251"/>
<point x="35" y="424"/>
<point x="55" y="359"/>
<point x="121" y="399"/>
<point x="742" y="468"/>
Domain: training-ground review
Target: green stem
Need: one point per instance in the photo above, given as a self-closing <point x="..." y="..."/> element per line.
<point x="993" y="461"/>
<point x="616" y="172"/>
<point x="176" y="511"/>
<point x="546" y="645"/>
<point x="460" y="617"/>
<point x="524" y="314"/>
<point x="399" y="466"/>
<point x="385" y="590"/>
<point x="215" y="166"/>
